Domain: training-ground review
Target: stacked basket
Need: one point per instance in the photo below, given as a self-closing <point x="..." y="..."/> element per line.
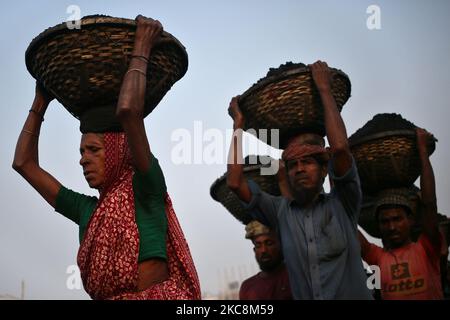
<point x="385" y="152"/>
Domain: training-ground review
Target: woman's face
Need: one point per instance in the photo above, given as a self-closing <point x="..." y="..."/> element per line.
<point x="92" y="160"/>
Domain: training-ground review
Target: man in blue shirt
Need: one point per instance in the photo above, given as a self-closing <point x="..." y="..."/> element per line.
<point x="318" y="231"/>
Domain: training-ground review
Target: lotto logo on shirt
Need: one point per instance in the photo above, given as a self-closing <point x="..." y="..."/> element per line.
<point x="400" y="271"/>
<point x="402" y="283"/>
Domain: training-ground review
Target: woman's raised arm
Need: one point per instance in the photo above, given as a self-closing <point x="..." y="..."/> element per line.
<point x="26" y="156"/>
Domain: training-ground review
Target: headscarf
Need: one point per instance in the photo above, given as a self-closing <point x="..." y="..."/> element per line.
<point x="297" y="150"/>
<point x="108" y="255"/>
<point x="254" y="229"/>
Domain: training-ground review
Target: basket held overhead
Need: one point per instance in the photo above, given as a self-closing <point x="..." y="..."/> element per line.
<point x="385" y="151"/>
<point x="83" y="68"/>
<point x="287" y="99"/>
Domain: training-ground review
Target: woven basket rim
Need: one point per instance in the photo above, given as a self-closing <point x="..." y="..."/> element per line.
<point x="88" y="21"/>
<point x="288" y="73"/>
<point x="384" y="134"/>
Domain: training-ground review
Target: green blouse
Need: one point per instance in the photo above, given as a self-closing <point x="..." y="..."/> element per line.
<point x="149" y="192"/>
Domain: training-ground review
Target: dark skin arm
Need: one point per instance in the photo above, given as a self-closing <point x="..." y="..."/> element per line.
<point x="26" y="156"/>
<point x="130" y="112"/>
<point x="365" y="245"/>
<point x="235" y="174"/>
<point x="334" y="125"/>
<point x="130" y="107"/>
<point x="283" y="183"/>
<point x="428" y="189"/>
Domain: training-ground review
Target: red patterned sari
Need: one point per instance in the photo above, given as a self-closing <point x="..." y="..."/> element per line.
<point x="108" y="255"/>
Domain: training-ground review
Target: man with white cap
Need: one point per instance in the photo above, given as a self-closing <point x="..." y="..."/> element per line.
<point x="272" y="283"/>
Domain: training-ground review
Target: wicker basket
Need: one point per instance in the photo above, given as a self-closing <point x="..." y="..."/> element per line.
<point x="288" y="100"/>
<point x="220" y="192"/>
<point x="387" y="160"/>
<point x="84" y="68"/>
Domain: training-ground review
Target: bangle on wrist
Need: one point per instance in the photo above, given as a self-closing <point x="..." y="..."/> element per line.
<point x="142" y="58"/>
<point x="37" y="113"/>
<point x="137" y="70"/>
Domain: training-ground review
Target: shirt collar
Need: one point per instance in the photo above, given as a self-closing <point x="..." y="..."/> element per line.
<point x="321" y="196"/>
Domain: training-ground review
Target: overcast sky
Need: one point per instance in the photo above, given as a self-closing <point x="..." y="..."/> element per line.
<point x="402" y="67"/>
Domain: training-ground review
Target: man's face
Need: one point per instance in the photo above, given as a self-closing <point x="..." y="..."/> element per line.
<point x="305" y="175"/>
<point x="395" y="226"/>
<point x="267" y="251"/>
<point x="92" y="159"/>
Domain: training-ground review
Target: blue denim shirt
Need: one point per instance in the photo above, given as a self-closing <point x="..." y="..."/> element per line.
<point x="320" y="243"/>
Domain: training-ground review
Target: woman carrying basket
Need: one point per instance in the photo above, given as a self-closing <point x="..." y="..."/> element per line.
<point x="132" y="246"/>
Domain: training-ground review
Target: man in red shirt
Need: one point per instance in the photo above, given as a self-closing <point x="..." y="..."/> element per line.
<point x="272" y="283"/>
<point x="409" y="270"/>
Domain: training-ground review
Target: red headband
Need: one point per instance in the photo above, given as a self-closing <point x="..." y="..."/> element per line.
<point x="295" y="150"/>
